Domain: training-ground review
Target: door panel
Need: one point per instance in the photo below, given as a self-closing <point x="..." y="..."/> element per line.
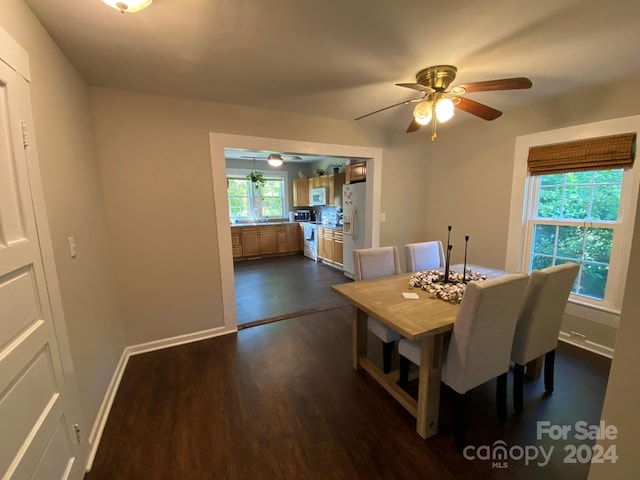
<point x="36" y="440"/>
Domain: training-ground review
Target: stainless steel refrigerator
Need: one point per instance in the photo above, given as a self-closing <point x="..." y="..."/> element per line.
<point x="354" y="204"/>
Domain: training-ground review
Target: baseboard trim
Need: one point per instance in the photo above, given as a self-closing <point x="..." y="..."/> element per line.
<point x="587" y="345"/>
<point x="105" y="408"/>
<point x="128" y="352"/>
<point x="178" y="340"/>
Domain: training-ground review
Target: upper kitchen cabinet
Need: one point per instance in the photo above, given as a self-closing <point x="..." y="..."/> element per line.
<point x="301" y="192"/>
<point x="356" y="172"/>
<point x="334" y="195"/>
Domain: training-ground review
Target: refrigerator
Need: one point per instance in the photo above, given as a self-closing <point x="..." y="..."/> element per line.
<point x="354" y="203"/>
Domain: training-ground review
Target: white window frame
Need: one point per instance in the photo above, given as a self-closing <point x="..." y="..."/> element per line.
<point x="267" y="174"/>
<point x="522" y="196"/>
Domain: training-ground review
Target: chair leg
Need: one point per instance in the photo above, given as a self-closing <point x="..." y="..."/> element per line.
<point x="518" y="388"/>
<point x="549" y="361"/>
<point x="458" y="420"/>
<point x="501" y="396"/>
<point x="387" y="352"/>
<point x="404" y="371"/>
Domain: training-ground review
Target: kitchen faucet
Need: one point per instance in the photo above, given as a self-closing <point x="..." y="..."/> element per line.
<point x="256" y="214"/>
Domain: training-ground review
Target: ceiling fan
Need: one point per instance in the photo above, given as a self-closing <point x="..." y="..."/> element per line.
<point x="433" y="83"/>
<point x="274" y="159"/>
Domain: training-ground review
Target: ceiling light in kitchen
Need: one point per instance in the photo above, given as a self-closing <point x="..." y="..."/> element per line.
<point x="128" y="6"/>
<point x="275" y="160"/>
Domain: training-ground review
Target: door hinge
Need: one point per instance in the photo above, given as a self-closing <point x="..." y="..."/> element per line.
<point x="25" y="137"/>
<point x="76" y="428"/>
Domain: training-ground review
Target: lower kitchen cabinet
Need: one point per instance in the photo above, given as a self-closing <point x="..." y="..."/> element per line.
<point x="258" y="240"/>
<point x="330" y="246"/>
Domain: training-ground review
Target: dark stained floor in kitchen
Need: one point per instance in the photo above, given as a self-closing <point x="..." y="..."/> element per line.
<point x="277" y="288"/>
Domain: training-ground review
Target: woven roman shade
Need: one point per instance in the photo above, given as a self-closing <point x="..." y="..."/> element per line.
<point x="601" y="153"/>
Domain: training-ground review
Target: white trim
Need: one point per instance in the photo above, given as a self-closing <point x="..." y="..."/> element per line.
<point x="219" y="141"/>
<point x="517" y="215"/>
<point x="587" y="345"/>
<point x="107" y="402"/>
<point x="14" y="55"/>
<point x="105" y="407"/>
<point x="178" y="340"/>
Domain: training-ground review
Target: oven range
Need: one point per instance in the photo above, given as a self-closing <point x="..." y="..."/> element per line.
<point x="310" y="240"/>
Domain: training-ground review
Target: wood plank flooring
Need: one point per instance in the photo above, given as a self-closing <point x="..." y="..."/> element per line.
<point x="276" y="288"/>
<point x="281" y="401"/>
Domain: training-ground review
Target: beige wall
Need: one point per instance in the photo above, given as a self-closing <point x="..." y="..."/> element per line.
<point x="75" y="206"/>
<point x="623" y="390"/>
<point x="156" y="170"/>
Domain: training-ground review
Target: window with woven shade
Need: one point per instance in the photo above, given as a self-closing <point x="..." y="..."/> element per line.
<point x="574" y="212"/>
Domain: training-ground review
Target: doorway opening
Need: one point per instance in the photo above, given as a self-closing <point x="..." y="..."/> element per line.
<point x="218" y="143"/>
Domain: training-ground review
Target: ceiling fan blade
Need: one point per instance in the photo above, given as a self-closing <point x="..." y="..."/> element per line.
<point x="390" y="106"/>
<point x="415" y="86"/>
<point x="478" y="109"/>
<point x="414" y="126"/>
<point x="517" y="83"/>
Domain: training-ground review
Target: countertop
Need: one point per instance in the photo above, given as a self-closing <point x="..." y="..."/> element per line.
<point x="258" y="224"/>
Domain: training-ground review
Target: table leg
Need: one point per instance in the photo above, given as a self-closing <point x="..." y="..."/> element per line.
<point x="429" y="385"/>
<point x="359" y="337"/>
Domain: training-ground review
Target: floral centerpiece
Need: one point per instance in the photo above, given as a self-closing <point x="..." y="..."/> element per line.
<point x="433" y="282"/>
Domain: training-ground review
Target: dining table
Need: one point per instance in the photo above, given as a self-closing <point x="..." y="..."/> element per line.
<point x="417" y="316"/>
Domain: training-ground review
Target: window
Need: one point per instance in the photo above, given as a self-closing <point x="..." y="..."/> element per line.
<point x="574" y="217"/>
<point x="252" y="201"/>
<point x="586" y="217"/>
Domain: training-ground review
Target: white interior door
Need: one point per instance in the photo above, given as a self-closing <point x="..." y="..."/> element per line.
<point x="37" y="436"/>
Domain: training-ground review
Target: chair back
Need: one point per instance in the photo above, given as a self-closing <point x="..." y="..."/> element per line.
<point x="480" y="345"/>
<point x="377" y="262"/>
<point x="423" y="256"/>
<point x="539" y="321"/>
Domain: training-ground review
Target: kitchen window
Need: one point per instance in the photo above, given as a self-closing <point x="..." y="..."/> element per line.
<point x="253" y="201"/>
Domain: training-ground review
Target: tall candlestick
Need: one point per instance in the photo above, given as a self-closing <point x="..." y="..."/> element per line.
<point x="448" y="256"/>
<point x="464" y="269"/>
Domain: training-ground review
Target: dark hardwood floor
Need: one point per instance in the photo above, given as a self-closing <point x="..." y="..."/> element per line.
<point x="281" y="401"/>
<point x="276" y="288"/>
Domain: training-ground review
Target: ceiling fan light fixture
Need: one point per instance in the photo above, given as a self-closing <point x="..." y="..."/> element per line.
<point x="444" y="109"/>
<point x="275" y="160"/>
<point x="423" y="112"/>
<point x="128" y="6"/>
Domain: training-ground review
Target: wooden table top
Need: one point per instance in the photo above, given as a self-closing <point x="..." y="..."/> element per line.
<point x="413" y="319"/>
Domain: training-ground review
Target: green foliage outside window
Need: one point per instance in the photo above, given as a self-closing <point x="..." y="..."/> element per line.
<point x="249" y="200"/>
<point x="577" y="201"/>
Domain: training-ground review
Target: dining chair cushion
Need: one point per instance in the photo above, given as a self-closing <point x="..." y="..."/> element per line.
<point x="423" y="256"/>
<point x="375" y="262"/>
<point x="410" y="350"/>
<point x="480" y="345"/>
<point x="541" y="314"/>
<point x="383" y="333"/>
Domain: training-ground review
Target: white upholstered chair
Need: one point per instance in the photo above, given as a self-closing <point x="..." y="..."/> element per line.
<point x="423" y="256"/>
<point x="539" y="324"/>
<point x="371" y="263"/>
<point x="480" y="345"/>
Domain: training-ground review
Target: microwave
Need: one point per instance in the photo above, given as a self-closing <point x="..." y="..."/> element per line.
<point x="319" y="196"/>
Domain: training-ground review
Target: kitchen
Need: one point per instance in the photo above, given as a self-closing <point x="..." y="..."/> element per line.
<point x="291" y="239"/>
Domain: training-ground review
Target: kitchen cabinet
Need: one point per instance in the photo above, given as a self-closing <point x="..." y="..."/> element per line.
<point x="250" y="241"/>
<point x="268" y="239"/>
<point x="330" y="246"/>
<point x="319" y="181"/>
<point x="295" y="238"/>
<point x="356" y="172"/>
<point x="258" y="240"/>
<point x="236" y="243"/>
<point x="334" y="195"/>
<point x="301" y="192"/>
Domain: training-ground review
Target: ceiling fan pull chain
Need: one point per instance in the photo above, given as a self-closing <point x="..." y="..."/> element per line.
<point x="434" y="134"/>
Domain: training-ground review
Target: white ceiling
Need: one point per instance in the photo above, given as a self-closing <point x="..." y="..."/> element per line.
<point x="340" y="58"/>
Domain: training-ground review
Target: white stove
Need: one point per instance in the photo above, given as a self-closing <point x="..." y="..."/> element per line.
<point x="310" y="240"/>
